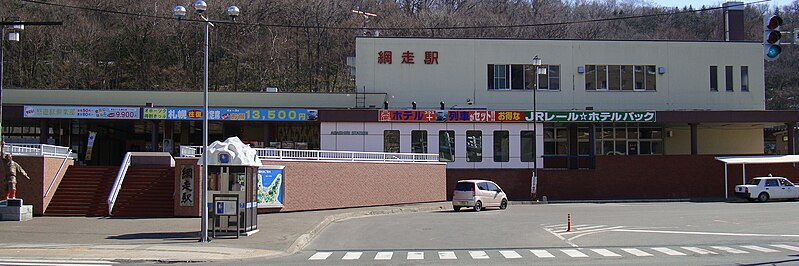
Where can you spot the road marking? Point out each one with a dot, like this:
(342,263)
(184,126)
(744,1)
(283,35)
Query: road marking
(478,255)
(352,256)
(54,262)
(730,250)
(415,255)
(761,249)
(605,252)
(592,231)
(542,253)
(510,254)
(636,252)
(384,255)
(786,247)
(700,251)
(697,233)
(669,251)
(320,256)
(574,253)
(447,255)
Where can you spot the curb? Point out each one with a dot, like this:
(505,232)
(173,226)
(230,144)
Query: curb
(306,238)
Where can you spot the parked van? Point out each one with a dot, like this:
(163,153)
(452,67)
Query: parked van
(478,194)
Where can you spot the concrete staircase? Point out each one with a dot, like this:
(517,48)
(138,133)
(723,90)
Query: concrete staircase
(148,191)
(83,191)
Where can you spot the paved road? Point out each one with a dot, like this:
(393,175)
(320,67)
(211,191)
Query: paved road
(629,233)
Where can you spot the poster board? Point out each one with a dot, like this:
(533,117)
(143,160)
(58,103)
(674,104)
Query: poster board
(271,180)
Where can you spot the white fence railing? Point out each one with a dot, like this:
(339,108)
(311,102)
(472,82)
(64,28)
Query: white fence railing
(319,155)
(123,169)
(37,150)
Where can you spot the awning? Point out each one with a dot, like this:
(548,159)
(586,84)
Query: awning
(759,159)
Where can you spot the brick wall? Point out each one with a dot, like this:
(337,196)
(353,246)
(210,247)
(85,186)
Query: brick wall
(42,171)
(628,177)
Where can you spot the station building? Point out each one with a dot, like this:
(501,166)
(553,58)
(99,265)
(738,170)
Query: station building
(598,119)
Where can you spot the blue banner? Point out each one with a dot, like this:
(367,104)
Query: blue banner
(270,188)
(238,114)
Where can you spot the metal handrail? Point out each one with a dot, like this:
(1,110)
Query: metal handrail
(37,150)
(123,169)
(52,183)
(319,155)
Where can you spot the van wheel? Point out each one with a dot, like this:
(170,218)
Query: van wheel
(503,205)
(763,197)
(456,208)
(478,206)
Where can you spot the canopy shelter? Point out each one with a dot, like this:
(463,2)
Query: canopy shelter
(759,159)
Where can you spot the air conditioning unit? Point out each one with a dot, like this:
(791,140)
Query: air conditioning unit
(271,89)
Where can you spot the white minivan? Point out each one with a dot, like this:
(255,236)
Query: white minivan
(478,194)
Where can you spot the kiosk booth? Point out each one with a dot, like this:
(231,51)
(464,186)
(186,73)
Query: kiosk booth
(232,188)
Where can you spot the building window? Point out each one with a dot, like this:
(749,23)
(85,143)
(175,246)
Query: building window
(419,141)
(556,141)
(714,78)
(501,146)
(391,141)
(583,141)
(744,78)
(620,77)
(522,77)
(728,77)
(446,146)
(528,145)
(624,139)
(474,146)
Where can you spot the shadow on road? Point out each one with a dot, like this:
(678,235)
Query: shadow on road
(192,236)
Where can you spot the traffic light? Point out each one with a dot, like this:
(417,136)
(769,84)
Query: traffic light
(771,38)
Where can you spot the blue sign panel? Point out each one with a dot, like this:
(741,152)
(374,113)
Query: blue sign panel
(239,114)
(270,188)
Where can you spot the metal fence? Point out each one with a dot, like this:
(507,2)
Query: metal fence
(319,155)
(37,150)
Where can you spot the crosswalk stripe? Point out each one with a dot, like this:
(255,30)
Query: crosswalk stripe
(605,252)
(510,254)
(352,256)
(730,250)
(478,255)
(761,249)
(786,247)
(637,252)
(574,253)
(320,256)
(669,251)
(542,253)
(415,255)
(384,255)
(700,251)
(447,255)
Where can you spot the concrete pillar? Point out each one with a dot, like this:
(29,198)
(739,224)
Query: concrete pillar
(791,137)
(694,150)
(44,129)
(154,135)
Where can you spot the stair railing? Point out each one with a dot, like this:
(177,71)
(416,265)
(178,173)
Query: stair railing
(52,183)
(123,169)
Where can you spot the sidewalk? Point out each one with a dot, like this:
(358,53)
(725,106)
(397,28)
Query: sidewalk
(172,239)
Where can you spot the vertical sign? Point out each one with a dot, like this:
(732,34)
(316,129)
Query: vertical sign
(270,187)
(187,186)
(90,144)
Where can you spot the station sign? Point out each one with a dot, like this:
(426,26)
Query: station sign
(81,112)
(514,116)
(237,114)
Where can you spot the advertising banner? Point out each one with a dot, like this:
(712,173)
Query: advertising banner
(85,112)
(270,187)
(513,116)
(238,114)
(90,145)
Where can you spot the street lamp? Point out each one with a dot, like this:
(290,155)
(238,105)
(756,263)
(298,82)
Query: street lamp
(199,8)
(13,35)
(538,71)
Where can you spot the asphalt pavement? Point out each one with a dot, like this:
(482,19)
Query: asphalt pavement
(150,240)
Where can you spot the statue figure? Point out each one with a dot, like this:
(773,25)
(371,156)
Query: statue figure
(12,170)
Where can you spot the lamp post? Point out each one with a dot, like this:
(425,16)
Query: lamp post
(180,12)
(538,71)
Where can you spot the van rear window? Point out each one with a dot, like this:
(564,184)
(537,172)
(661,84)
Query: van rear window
(464,186)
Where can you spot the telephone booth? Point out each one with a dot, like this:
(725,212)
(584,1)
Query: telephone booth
(232,188)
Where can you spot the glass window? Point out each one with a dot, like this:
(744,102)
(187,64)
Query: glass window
(446,145)
(639,77)
(492,187)
(590,77)
(614,77)
(490,77)
(419,141)
(771,183)
(554,77)
(583,144)
(556,141)
(728,78)
(650,78)
(528,144)
(391,141)
(744,78)
(474,146)
(602,77)
(529,77)
(501,77)
(627,78)
(483,186)
(464,186)
(543,82)
(501,146)
(714,78)
(517,77)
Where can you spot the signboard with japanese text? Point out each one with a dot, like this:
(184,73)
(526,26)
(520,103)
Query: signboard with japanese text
(239,114)
(187,186)
(513,116)
(408,57)
(78,112)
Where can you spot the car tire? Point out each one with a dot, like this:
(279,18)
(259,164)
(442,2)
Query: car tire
(478,206)
(456,208)
(503,205)
(763,197)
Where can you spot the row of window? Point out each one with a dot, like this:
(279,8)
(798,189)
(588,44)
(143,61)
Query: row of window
(610,140)
(523,77)
(728,78)
(620,77)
